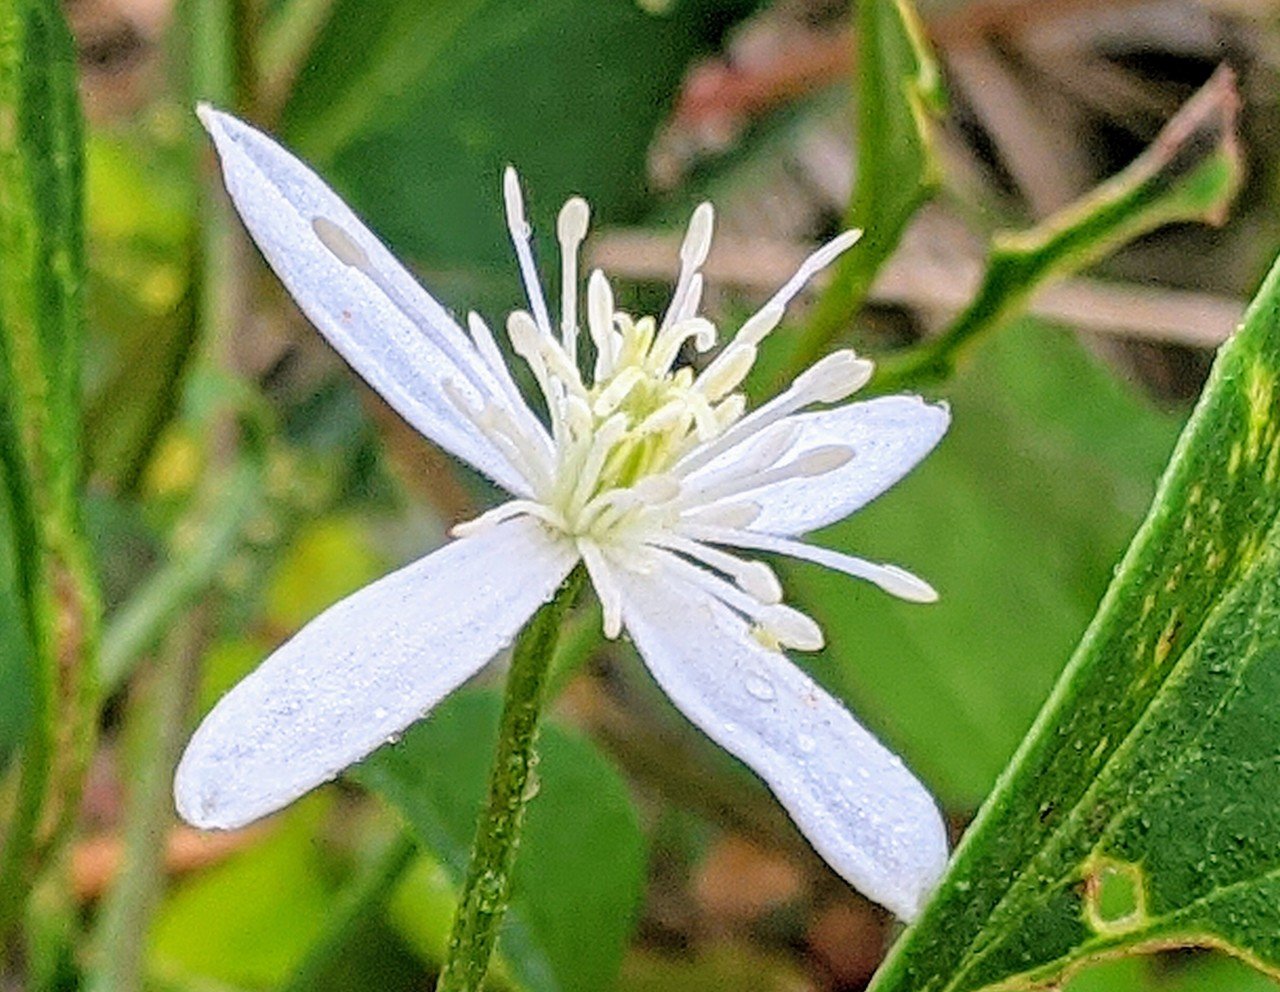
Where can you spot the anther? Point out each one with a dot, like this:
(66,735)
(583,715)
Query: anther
(571,229)
(831,379)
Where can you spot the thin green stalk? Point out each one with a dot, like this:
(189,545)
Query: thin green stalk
(487,888)
(126,916)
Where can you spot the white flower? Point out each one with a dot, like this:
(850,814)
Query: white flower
(643,471)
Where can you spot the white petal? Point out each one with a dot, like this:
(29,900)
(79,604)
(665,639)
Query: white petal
(364,670)
(400,340)
(889,435)
(860,808)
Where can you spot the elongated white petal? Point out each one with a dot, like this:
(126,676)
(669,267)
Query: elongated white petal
(364,670)
(889,436)
(400,340)
(860,808)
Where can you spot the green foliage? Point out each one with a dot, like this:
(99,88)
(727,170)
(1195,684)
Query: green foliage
(1153,764)
(1191,172)
(48,644)
(248,922)
(899,94)
(581,862)
(433,100)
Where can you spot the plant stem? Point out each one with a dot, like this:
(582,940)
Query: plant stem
(487,888)
(126,916)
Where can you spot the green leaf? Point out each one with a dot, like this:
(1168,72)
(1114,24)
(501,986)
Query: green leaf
(1191,172)
(250,920)
(899,95)
(580,869)
(1020,513)
(413,109)
(1143,809)
(41,330)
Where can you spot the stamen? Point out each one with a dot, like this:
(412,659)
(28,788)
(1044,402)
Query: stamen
(528,341)
(613,394)
(754,577)
(600,323)
(828,380)
(814,264)
(726,372)
(488,349)
(789,626)
(520,235)
(672,337)
(693,253)
(608,434)
(571,230)
(892,579)
(726,516)
(495,423)
(605,586)
(508,511)
(341,244)
(770,315)
(817,461)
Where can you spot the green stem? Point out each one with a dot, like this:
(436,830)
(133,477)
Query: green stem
(487,888)
(119,938)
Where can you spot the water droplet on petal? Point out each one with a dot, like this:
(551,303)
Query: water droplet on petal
(380,713)
(806,743)
(761,688)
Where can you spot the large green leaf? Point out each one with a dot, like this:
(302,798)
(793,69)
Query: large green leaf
(580,870)
(48,648)
(1143,809)
(414,108)
(1017,519)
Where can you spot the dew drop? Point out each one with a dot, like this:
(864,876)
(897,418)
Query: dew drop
(806,743)
(380,713)
(761,688)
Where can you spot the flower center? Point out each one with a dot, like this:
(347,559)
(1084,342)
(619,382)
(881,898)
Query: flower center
(626,428)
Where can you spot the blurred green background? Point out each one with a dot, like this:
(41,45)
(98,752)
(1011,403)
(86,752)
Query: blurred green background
(240,478)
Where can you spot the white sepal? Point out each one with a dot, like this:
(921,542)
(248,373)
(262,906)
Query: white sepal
(400,340)
(365,669)
(854,800)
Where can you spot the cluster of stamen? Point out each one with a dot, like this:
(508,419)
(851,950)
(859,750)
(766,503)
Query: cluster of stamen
(643,464)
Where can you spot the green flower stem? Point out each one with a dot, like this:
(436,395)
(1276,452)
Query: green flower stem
(487,888)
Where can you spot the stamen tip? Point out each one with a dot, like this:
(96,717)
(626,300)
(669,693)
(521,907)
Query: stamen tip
(697,240)
(575,216)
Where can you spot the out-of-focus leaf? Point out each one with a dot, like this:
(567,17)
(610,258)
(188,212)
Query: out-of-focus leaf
(41,330)
(899,93)
(249,921)
(1017,519)
(412,109)
(141,208)
(1191,172)
(332,558)
(1143,808)
(728,966)
(580,870)
(15,651)
(1197,973)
